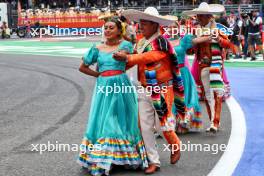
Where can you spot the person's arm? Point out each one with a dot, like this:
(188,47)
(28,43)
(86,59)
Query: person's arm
(257,22)
(175,42)
(252,22)
(240,25)
(144,58)
(129,66)
(127,38)
(225,43)
(147,57)
(240,34)
(88,71)
(89,58)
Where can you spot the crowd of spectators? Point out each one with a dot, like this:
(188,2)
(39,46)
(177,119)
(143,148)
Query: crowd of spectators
(247,32)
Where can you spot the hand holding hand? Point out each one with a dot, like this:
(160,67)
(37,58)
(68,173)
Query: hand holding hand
(209,38)
(120,56)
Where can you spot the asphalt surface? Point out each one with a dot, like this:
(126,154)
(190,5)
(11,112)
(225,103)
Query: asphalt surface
(46,99)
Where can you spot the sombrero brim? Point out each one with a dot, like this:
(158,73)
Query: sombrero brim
(171,17)
(136,15)
(214,9)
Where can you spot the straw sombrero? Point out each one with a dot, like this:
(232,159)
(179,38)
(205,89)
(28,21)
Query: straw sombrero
(171,17)
(205,8)
(150,14)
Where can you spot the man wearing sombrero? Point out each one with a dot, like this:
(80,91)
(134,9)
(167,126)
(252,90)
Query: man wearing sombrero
(209,56)
(157,68)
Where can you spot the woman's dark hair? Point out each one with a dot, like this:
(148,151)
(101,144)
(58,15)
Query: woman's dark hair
(117,21)
(123,19)
(182,22)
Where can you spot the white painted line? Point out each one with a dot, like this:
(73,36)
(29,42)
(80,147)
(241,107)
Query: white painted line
(42,54)
(235,147)
(27,40)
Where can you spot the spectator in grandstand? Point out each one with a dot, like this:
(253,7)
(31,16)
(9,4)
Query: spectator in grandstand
(254,34)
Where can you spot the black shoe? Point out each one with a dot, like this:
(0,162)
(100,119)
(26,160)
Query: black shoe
(253,58)
(238,56)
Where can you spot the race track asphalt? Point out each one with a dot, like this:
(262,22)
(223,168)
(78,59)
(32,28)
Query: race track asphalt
(46,98)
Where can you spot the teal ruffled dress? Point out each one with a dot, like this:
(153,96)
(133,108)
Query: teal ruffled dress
(112,136)
(193,121)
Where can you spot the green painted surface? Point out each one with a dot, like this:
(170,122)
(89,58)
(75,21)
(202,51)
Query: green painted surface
(75,49)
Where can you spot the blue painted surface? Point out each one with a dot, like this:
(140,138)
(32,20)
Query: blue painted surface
(248,89)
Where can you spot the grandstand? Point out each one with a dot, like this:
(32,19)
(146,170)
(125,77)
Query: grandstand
(82,9)
(163,4)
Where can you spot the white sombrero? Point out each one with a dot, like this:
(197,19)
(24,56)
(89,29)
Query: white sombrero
(150,14)
(205,8)
(171,17)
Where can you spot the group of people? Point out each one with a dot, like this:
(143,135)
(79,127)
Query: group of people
(120,128)
(48,16)
(247,32)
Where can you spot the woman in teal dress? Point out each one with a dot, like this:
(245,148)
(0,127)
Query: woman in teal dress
(192,121)
(112,136)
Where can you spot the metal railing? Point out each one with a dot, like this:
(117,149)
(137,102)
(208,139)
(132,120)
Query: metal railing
(175,9)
